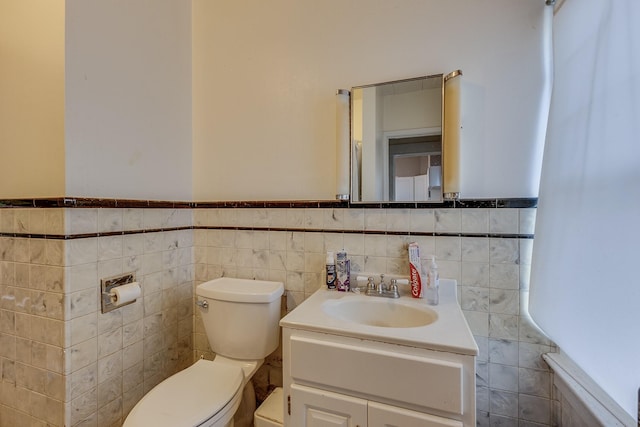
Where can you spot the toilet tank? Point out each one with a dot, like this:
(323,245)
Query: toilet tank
(242,315)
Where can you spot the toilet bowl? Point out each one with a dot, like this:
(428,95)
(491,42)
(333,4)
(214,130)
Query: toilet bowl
(241,320)
(205,394)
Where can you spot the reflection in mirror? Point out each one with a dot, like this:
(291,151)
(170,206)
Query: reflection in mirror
(397,141)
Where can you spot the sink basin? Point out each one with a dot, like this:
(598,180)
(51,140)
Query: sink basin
(403,321)
(380,312)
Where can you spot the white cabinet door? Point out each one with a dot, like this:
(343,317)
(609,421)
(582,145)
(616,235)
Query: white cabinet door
(312,407)
(381,415)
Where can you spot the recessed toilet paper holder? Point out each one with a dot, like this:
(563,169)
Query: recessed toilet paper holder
(108,284)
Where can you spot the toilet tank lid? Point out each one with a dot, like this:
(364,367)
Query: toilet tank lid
(240,290)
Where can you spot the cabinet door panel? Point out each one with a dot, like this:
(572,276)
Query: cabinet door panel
(381,415)
(318,408)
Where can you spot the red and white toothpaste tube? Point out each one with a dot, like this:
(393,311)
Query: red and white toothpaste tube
(415,278)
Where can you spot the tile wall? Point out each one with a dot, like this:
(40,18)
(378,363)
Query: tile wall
(62,361)
(32,323)
(488,251)
(65,363)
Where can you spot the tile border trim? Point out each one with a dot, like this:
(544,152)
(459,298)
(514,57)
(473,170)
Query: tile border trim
(284,229)
(81,202)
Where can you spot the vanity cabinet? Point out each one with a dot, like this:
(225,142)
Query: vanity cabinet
(332,380)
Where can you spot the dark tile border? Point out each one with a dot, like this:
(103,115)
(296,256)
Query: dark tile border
(67,202)
(80,202)
(91,235)
(285,229)
(376,232)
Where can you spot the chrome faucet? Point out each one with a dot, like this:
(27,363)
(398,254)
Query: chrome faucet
(381,289)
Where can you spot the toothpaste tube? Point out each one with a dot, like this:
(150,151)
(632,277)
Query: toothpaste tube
(415,278)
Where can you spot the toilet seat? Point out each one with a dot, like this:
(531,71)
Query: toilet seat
(198,395)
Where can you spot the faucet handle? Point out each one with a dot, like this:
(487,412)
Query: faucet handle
(371,286)
(393,289)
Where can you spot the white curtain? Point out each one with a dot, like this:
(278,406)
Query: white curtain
(585,283)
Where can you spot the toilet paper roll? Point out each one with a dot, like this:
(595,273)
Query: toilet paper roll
(125,293)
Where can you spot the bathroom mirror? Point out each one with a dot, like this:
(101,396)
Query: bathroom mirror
(396,141)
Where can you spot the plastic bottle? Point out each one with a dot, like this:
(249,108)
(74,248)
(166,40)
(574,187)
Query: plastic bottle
(331,271)
(433,283)
(343,271)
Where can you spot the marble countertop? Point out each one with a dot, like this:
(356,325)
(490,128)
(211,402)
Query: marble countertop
(449,332)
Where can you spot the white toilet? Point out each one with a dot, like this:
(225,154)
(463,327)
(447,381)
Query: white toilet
(241,320)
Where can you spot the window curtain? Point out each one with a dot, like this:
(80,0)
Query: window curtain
(585,280)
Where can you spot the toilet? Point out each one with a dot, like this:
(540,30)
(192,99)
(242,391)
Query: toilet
(240,318)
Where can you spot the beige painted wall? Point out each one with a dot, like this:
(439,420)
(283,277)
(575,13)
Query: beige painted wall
(95,99)
(128,99)
(251,114)
(265,74)
(31,98)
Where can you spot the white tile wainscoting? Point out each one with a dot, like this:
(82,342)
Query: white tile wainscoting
(100,365)
(65,363)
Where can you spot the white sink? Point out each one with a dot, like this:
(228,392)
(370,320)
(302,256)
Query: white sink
(404,321)
(380,312)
